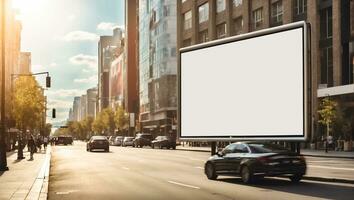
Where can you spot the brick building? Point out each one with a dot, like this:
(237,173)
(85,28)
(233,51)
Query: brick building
(332,37)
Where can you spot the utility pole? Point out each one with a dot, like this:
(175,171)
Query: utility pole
(3,160)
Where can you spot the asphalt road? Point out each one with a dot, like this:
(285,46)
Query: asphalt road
(134,173)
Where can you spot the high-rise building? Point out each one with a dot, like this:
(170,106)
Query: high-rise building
(116,97)
(158,66)
(130,71)
(71,115)
(107,48)
(332,38)
(76,109)
(25,63)
(91,102)
(82,107)
(13,30)
(102,98)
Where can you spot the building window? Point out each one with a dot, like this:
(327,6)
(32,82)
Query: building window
(326,23)
(327,66)
(238,25)
(187,42)
(277,13)
(300,7)
(220,5)
(187,20)
(237,2)
(203,36)
(221,30)
(257,18)
(203,13)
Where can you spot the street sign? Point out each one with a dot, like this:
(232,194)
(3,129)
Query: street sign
(253,86)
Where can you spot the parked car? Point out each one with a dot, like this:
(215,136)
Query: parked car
(118,141)
(164,141)
(255,159)
(111,140)
(97,142)
(128,141)
(142,139)
(64,140)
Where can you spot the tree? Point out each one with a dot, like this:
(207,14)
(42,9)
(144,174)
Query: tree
(327,113)
(47,129)
(121,118)
(28,106)
(86,125)
(97,125)
(108,120)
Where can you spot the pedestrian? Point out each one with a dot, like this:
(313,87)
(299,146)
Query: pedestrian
(31,146)
(45,142)
(330,142)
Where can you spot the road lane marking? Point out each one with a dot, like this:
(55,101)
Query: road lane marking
(126,168)
(184,185)
(324,167)
(199,167)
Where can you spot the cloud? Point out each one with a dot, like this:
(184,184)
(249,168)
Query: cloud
(87,60)
(59,104)
(80,36)
(37,67)
(91,79)
(53,64)
(108,26)
(71,17)
(63,93)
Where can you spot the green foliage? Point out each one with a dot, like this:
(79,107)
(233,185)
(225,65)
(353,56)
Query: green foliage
(47,129)
(28,103)
(121,118)
(327,112)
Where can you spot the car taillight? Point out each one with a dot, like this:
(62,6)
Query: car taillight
(263,160)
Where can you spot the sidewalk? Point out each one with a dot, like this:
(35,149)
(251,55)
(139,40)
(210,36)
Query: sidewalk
(25,179)
(305,152)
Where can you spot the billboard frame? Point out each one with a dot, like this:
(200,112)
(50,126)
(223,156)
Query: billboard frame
(307,87)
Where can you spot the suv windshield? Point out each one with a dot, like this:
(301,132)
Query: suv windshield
(265,148)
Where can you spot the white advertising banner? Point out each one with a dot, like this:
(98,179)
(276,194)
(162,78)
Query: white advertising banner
(251,86)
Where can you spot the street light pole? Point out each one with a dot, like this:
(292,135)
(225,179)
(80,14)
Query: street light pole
(3,160)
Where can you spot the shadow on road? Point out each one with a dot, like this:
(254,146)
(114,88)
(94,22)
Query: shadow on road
(314,189)
(99,152)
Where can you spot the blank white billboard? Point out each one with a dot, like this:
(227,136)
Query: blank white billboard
(252,86)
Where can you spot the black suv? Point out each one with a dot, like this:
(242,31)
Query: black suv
(65,140)
(164,141)
(142,139)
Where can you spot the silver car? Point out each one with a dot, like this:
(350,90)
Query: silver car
(118,141)
(128,141)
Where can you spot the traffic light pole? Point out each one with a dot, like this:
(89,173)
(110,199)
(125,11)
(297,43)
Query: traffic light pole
(3,159)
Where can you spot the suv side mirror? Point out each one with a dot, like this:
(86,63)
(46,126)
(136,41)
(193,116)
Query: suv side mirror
(220,153)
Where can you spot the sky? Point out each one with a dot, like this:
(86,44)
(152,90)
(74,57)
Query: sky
(62,36)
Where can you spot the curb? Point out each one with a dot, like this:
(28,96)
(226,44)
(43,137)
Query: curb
(39,189)
(327,179)
(308,155)
(321,156)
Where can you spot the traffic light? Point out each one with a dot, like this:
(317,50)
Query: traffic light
(54,113)
(48,81)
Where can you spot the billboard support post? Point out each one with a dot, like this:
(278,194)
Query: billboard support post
(213,148)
